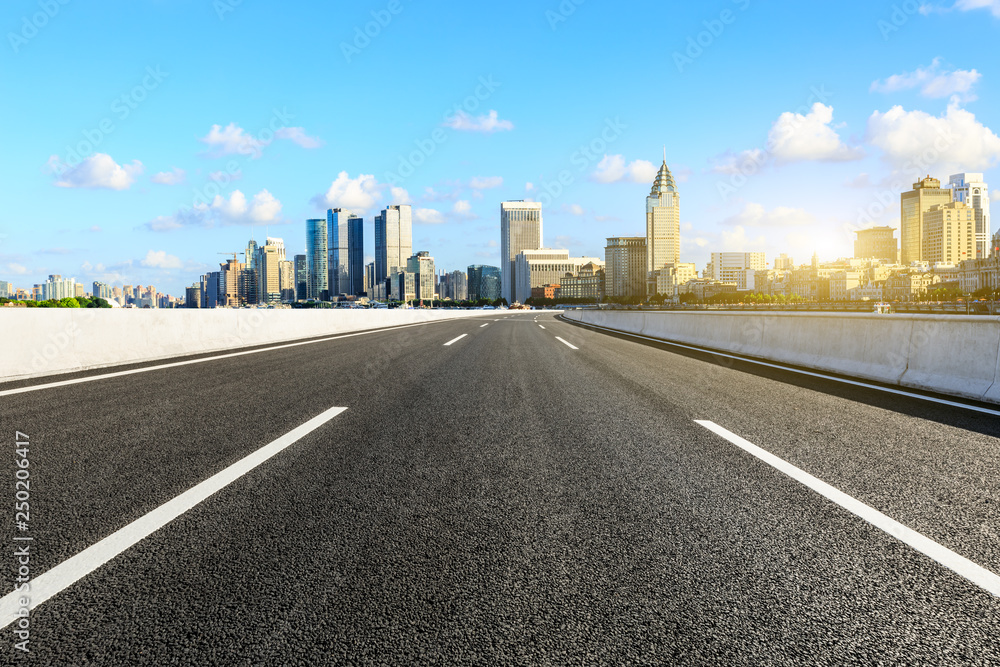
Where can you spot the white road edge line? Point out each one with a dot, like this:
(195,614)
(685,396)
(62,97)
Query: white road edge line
(228,355)
(568,344)
(855,383)
(456,339)
(71,570)
(960,565)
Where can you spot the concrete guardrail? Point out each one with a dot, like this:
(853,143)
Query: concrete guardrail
(49,341)
(949,354)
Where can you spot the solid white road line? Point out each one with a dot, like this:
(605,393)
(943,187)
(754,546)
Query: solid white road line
(570,345)
(960,565)
(485,325)
(456,340)
(73,569)
(228,355)
(855,383)
(541,326)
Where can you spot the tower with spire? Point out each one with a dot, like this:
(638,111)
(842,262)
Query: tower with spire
(663,222)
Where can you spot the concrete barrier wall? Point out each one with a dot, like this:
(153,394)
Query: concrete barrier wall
(47,341)
(956,355)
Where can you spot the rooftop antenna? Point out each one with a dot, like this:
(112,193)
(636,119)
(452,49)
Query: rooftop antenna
(664,153)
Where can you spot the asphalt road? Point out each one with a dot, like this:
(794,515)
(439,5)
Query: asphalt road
(505,499)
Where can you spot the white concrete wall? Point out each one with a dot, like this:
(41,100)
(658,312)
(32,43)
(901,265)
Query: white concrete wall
(47,341)
(956,355)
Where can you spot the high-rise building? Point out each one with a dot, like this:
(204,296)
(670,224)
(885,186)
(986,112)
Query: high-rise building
(625,267)
(269,258)
(192,296)
(393,240)
(783,263)
(453,286)
(663,222)
(102,291)
(6,290)
(301,278)
(546,266)
(914,205)
(732,267)
(369,283)
(971,190)
(286,280)
(520,229)
(345,235)
(421,265)
(317,259)
(949,233)
(876,243)
(484,282)
(57,288)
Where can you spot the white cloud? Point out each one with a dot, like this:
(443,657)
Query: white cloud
(226,177)
(16,269)
(795,137)
(576,209)
(232,140)
(915,141)
(486,182)
(173,177)
(463,209)
(360,194)
(968,5)
(755,215)
(736,240)
(298,135)
(400,196)
(862,180)
(612,168)
(489,123)
(529,186)
(932,81)
(427,216)
(159,259)
(98,171)
(236,210)
(743,162)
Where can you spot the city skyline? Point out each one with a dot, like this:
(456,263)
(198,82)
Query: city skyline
(814,154)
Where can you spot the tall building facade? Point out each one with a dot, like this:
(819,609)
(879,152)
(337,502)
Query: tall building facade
(875,243)
(393,240)
(484,282)
(345,235)
(301,278)
(520,230)
(949,234)
(546,266)
(269,258)
(914,205)
(732,267)
(421,265)
(971,190)
(317,258)
(625,267)
(663,222)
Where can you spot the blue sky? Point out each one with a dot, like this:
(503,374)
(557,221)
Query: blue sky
(787,125)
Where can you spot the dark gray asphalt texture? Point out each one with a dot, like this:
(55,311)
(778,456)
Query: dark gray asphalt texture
(504,500)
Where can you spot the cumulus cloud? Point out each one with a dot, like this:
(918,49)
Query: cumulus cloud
(172,177)
(489,123)
(16,269)
(486,182)
(613,168)
(932,81)
(232,140)
(359,194)
(236,210)
(97,171)
(968,5)
(463,209)
(742,162)
(159,259)
(400,196)
(795,137)
(427,216)
(529,186)
(755,215)
(298,135)
(916,141)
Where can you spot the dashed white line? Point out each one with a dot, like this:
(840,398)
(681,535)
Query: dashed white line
(541,326)
(451,342)
(568,344)
(68,572)
(484,325)
(960,565)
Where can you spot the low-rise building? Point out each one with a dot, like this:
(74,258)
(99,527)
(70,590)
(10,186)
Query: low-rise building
(909,286)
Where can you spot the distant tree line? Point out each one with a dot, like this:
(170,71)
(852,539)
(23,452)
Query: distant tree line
(68,302)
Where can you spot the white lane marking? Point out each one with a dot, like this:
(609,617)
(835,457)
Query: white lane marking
(855,383)
(228,355)
(485,325)
(71,570)
(456,340)
(541,326)
(960,565)
(570,345)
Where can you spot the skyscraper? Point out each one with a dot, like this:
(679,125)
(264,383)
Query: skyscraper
(972,191)
(663,222)
(520,229)
(301,278)
(422,266)
(269,258)
(914,206)
(317,260)
(393,240)
(345,235)
(874,242)
(625,267)
(483,282)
